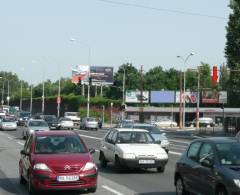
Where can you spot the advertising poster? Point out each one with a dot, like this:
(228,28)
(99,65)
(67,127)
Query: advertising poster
(101,75)
(80,74)
(135,97)
(214,97)
(162,97)
(190,97)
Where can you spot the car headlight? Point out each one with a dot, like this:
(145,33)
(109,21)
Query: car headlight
(162,156)
(237,182)
(41,166)
(129,156)
(31,131)
(89,166)
(164,142)
(20,119)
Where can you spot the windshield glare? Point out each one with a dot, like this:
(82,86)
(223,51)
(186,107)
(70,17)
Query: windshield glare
(228,153)
(59,145)
(134,137)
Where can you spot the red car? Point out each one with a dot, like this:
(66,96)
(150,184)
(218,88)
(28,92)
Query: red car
(57,160)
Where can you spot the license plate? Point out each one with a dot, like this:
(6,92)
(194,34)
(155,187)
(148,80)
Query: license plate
(146,161)
(68,178)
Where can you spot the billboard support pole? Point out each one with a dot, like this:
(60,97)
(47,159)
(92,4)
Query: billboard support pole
(141,117)
(198,99)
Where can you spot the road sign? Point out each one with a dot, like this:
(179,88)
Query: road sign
(214,76)
(59,99)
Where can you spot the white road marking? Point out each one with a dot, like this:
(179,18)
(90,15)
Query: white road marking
(111,190)
(177,148)
(21,143)
(175,153)
(180,146)
(11,138)
(179,141)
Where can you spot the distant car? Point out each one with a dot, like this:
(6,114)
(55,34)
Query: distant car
(89,123)
(34,125)
(166,123)
(23,117)
(132,148)
(65,123)
(8,123)
(57,160)
(209,166)
(158,135)
(203,122)
(73,116)
(125,123)
(51,121)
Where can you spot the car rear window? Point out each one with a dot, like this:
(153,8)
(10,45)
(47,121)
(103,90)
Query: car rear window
(134,137)
(38,124)
(193,151)
(59,145)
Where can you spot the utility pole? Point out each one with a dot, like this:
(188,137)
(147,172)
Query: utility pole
(43,98)
(198,98)
(31,99)
(141,117)
(3,92)
(59,98)
(20,107)
(180,105)
(8,97)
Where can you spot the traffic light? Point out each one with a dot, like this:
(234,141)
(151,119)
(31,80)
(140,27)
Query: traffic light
(214,76)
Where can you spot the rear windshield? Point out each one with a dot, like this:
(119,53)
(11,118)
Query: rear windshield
(50,118)
(59,145)
(8,120)
(38,124)
(135,137)
(149,128)
(24,114)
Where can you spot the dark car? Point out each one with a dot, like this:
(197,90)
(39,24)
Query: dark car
(51,121)
(210,166)
(23,117)
(57,160)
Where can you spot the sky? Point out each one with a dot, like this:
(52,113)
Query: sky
(35,36)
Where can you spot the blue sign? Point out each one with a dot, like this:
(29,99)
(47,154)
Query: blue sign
(162,97)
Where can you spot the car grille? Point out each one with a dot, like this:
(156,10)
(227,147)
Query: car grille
(62,169)
(146,156)
(69,183)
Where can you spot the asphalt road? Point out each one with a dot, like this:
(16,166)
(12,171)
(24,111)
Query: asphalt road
(141,182)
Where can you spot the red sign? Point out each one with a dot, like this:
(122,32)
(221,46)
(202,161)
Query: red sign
(214,76)
(58,99)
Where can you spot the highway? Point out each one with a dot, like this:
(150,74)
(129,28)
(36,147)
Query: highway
(140,182)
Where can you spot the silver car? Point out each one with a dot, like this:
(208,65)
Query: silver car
(8,123)
(34,125)
(89,123)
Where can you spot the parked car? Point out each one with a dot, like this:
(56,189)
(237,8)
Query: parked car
(73,116)
(89,123)
(51,121)
(57,160)
(23,117)
(158,135)
(34,125)
(166,123)
(8,123)
(203,122)
(65,123)
(209,166)
(133,148)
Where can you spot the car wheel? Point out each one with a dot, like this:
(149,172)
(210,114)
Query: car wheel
(103,161)
(92,190)
(221,191)
(180,189)
(117,164)
(31,189)
(160,169)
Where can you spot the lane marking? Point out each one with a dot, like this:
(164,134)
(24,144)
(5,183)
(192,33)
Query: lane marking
(175,153)
(21,143)
(11,138)
(180,146)
(177,148)
(111,190)
(179,141)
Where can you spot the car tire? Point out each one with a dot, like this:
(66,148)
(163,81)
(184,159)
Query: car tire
(160,169)
(117,164)
(180,189)
(103,161)
(31,189)
(221,191)
(92,190)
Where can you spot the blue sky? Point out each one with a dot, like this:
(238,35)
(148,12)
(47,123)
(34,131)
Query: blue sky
(35,35)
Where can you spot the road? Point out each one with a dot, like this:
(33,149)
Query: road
(141,182)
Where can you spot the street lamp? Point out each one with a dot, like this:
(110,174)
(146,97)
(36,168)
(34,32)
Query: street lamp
(31,98)
(21,91)
(184,84)
(123,88)
(111,112)
(8,97)
(43,98)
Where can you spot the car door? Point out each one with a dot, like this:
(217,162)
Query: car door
(205,172)
(26,158)
(112,145)
(106,145)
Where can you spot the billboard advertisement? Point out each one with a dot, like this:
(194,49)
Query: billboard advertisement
(214,97)
(135,97)
(162,97)
(80,74)
(101,75)
(190,97)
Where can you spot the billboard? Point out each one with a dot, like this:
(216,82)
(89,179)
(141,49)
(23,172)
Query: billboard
(162,96)
(214,97)
(101,75)
(135,97)
(190,97)
(80,74)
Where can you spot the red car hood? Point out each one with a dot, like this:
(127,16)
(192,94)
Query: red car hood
(56,161)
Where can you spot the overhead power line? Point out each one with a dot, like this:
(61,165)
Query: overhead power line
(162,9)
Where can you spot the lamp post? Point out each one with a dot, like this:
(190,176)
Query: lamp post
(111,113)
(43,98)
(59,97)
(20,107)
(123,88)
(2,93)
(31,88)
(184,84)
(8,97)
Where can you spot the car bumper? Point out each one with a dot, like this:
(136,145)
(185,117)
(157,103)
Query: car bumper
(49,182)
(9,128)
(134,163)
(92,126)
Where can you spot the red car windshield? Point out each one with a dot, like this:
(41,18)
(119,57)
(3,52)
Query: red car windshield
(59,145)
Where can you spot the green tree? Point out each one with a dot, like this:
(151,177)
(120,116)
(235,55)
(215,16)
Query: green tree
(155,79)
(232,52)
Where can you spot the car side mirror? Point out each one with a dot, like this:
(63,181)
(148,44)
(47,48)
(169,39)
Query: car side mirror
(207,163)
(91,150)
(23,152)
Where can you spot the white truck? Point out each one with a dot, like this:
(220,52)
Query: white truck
(73,116)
